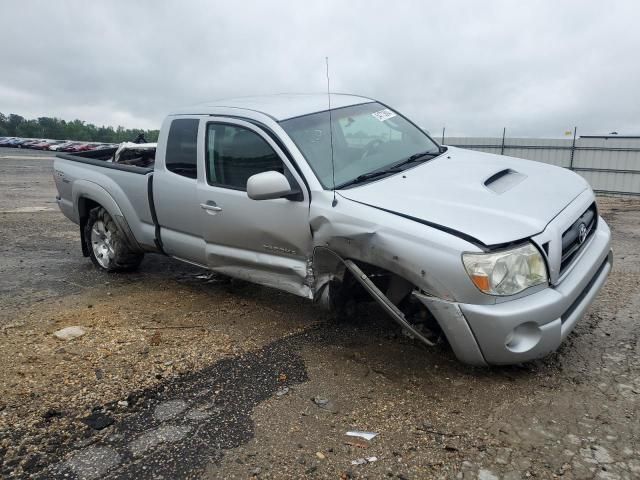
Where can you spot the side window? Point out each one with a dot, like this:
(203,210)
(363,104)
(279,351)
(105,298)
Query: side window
(236,153)
(181,156)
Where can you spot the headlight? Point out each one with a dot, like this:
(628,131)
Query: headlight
(508,272)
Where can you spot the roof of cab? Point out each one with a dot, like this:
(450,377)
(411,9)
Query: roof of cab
(279,107)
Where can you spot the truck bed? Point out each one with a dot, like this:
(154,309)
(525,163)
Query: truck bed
(106,157)
(86,179)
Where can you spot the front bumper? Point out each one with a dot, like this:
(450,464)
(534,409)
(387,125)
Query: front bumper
(529,327)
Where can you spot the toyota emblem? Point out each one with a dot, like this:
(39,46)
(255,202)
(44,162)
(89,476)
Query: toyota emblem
(582,233)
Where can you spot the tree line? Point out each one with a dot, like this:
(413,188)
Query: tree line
(13,125)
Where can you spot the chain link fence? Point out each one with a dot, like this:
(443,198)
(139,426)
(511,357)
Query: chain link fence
(611,164)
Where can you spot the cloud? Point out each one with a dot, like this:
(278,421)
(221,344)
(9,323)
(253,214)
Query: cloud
(538,68)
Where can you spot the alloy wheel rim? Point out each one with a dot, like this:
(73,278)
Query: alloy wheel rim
(101,244)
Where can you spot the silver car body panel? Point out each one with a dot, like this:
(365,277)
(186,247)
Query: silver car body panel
(415,224)
(271,248)
(277,107)
(450,190)
(426,257)
(540,320)
(455,327)
(176,203)
(552,236)
(121,193)
(544,319)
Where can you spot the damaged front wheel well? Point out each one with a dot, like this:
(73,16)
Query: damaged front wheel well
(341,283)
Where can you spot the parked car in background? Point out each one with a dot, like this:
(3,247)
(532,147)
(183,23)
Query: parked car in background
(59,146)
(68,147)
(100,146)
(13,142)
(51,143)
(38,145)
(29,143)
(55,144)
(79,147)
(16,142)
(73,147)
(44,145)
(26,142)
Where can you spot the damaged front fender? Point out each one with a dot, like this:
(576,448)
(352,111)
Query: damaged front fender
(382,300)
(427,258)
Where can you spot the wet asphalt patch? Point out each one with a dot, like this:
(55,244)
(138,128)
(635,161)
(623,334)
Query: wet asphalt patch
(181,426)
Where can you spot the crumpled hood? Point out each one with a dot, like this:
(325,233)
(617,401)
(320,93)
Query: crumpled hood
(492,198)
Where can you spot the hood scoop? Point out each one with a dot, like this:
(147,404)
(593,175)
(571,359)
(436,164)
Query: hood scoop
(504,180)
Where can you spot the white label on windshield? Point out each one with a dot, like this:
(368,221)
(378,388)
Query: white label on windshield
(383,115)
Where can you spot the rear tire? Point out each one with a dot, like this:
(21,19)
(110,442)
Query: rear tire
(106,244)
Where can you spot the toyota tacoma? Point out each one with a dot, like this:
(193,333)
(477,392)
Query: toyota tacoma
(501,256)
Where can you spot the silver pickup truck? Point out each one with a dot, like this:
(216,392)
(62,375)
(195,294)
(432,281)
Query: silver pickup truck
(500,256)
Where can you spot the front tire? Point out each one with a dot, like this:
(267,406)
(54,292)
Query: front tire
(106,244)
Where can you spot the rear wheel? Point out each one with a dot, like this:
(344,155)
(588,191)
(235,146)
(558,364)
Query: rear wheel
(107,247)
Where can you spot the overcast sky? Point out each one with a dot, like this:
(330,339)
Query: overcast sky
(538,68)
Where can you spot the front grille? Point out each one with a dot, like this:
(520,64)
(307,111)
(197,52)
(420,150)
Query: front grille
(576,236)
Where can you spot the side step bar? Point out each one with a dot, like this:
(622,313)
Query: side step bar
(383,301)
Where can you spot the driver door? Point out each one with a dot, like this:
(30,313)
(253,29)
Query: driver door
(262,241)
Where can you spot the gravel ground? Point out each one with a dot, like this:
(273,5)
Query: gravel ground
(182,374)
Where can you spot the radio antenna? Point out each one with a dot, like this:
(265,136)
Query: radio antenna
(333,167)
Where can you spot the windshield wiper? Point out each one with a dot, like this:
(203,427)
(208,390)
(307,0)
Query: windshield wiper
(368,176)
(394,168)
(417,156)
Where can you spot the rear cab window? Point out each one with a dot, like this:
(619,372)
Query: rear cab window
(181,153)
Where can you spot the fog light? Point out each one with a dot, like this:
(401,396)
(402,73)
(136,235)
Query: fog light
(523,338)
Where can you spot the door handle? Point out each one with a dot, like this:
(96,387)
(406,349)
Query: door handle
(210,207)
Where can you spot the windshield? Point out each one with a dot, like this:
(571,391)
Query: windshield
(366,138)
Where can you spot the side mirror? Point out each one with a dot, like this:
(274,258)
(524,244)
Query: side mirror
(268,185)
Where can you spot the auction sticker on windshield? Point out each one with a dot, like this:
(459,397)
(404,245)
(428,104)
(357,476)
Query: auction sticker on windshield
(383,115)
